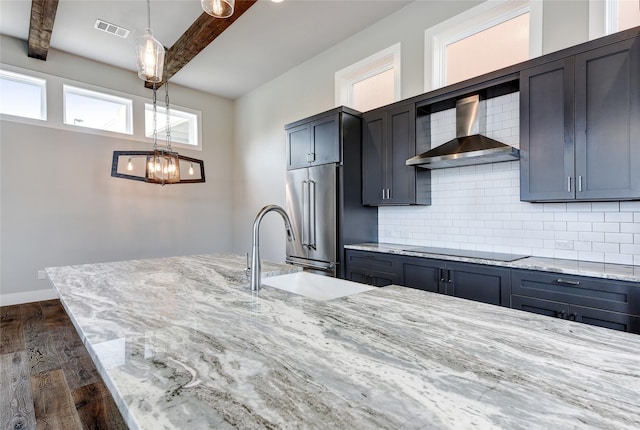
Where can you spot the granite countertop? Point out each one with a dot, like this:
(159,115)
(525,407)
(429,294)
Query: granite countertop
(620,272)
(183,344)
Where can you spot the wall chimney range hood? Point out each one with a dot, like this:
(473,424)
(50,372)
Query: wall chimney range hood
(470,147)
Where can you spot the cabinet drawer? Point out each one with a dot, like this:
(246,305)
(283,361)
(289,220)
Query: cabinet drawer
(617,296)
(371,261)
(598,317)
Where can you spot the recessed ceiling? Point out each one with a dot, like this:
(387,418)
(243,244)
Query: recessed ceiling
(269,39)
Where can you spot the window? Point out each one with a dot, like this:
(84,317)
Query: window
(22,95)
(488,37)
(488,50)
(628,14)
(370,83)
(610,16)
(184,125)
(92,109)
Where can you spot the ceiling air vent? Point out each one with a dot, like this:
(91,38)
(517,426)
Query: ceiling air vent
(111,28)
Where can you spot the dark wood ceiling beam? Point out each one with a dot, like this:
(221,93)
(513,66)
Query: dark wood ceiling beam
(43,14)
(202,32)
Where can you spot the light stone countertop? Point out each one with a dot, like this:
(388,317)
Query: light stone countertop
(620,272)
(182,344)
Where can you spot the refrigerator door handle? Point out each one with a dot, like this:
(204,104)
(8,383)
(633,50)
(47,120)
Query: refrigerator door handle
(305,213)
(312,215)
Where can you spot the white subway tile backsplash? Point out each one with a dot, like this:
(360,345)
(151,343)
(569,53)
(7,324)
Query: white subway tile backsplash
(479,208)
(618,217)
(618,237)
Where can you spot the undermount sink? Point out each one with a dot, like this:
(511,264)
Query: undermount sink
(315,286)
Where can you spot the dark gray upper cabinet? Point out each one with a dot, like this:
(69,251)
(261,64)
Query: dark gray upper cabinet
(546,132)
(579,127)
(313,142)
(388,140)
(608,122)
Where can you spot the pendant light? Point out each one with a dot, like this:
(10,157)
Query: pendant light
(149,54)
(218,8)
(161,165)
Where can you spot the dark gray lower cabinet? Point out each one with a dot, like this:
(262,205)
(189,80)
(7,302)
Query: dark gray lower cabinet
(465,280)
(602,302)
(477,282)
(372,268)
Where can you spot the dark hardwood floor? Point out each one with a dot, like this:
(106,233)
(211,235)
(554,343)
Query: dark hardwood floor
(47,378)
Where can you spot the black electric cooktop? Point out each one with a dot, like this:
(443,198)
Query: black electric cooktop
(498,256)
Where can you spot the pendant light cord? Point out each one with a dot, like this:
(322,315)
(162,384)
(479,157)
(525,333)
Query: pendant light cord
(155,118)
(149,14)
(167,112)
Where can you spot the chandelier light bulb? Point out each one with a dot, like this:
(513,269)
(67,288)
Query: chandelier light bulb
(218,8)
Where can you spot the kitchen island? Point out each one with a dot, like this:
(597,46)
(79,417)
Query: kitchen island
(183,344)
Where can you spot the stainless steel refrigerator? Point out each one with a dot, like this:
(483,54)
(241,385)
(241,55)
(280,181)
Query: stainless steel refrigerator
(324,201)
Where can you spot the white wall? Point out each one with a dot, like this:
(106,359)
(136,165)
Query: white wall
(60,206)
(308,89)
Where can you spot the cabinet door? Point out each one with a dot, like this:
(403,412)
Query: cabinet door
(373,155)
(423,274)
(325,142)
(610,295)
(401,145)
(357,275)
(608,122)
(485,284)
(600,318)
(546,132)
(298,146)
(540,306)
(373,268)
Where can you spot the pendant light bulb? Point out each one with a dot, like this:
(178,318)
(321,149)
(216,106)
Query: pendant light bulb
(218,8)
(149,57)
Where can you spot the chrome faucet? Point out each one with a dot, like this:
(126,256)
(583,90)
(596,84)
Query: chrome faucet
(255,249)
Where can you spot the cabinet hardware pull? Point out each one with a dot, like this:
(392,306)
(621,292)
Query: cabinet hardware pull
(560,314)
(569,184)
(567,282)
(384,194)
(441,274)
(572,317)
(389,193)
(449,280)
(580,183)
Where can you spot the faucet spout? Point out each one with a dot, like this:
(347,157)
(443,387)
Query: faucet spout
(255,246)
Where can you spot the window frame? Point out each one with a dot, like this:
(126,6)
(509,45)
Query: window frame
(382,61)
(470,22)
(196,128)
(55,109)
(99,95)
(29,79)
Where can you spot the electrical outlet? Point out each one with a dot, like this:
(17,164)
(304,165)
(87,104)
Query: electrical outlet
(42,275)
(564,244)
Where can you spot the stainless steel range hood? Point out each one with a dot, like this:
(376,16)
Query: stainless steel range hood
(470,145)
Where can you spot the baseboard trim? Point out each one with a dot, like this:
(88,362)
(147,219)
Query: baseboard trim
(27,297)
